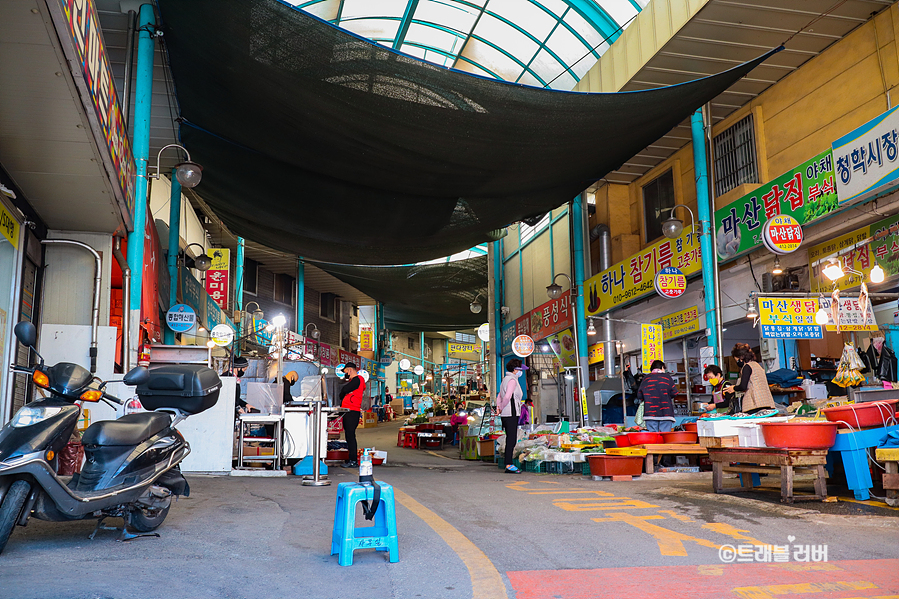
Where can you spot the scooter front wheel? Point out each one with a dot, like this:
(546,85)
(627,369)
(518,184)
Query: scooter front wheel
(11,508)
(142,520)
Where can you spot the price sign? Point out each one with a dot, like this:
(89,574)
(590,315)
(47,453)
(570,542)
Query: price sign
(181,318)
(670,282)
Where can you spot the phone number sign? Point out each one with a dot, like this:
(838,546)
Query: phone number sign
(181,318)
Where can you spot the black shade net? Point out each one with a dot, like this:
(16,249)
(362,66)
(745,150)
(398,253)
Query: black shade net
(424,297)
(320,143)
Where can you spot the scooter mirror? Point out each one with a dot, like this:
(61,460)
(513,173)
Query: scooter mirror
(26,334)
(137,376)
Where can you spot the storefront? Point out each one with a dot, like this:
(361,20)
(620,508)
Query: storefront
(11,245)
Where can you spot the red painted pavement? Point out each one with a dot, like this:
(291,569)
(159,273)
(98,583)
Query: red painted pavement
(827,580)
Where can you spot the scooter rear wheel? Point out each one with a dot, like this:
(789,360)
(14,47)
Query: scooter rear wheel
(141,521)
(11,508)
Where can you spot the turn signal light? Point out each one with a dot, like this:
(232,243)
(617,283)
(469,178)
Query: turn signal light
(50,455)
(40,379)
(92,395)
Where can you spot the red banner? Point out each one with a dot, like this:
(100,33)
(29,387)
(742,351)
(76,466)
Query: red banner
(546,319)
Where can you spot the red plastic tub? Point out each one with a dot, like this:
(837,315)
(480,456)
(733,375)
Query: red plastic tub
(691,427)
(861,415)
(643,438)
(680,437)
(622,441)
(615,465)
(338,454)
(799,435)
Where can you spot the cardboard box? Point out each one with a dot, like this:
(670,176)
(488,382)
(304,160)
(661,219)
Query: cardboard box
(251,451)
(486,448)
(369,420)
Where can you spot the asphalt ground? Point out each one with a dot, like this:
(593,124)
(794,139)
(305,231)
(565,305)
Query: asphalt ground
(466,529)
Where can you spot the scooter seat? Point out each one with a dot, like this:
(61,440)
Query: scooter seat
(127,430)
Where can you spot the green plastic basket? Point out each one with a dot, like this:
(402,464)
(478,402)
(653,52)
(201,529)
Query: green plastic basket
(585,468)
(535,466)
(559,467)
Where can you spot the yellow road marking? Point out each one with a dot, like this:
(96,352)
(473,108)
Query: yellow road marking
(808,567)
(769,592)
(612,503)
(710,570)
(677,516)
(486,581)
(868,502)
(727,529)
(440,456)
(671,543)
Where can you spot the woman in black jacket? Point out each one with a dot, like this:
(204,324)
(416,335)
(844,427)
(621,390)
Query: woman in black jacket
(657,391)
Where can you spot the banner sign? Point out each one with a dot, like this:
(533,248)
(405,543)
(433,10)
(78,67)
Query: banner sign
(463,350)
(850,315)
(596,353)
(564,348)
(366,339)
(9,227)
(508,335)
(634,277)
(83,28)
(680,323)
(807,193)
(866,158)
(218,275)
(651,343)
(789,318)
(181,318)
(523,346)
(543,321)
(884,251)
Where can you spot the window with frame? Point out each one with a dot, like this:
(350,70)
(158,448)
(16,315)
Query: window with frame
(527,232)
(410,343)
(284,286)
(465,338)
(328,306)
(250,276)
(735,160)
(658,199)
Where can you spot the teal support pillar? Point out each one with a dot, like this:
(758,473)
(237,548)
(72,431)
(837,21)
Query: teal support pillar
(301,295)
(703,204)
(174,250)
(578,212)
(382,346)
(238,292)
(143,91)
(498,313)
(238,274)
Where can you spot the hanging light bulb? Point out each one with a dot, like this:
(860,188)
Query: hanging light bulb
(777,269)
(591,330)
(821,316)
(834,270)
(877,274)
(751,311)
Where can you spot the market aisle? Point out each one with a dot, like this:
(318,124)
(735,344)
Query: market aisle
(468,530)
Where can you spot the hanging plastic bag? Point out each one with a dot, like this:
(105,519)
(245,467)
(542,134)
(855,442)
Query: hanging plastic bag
(638,418)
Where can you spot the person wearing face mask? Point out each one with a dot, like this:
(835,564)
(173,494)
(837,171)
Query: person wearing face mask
(508,406)
(351,399)
(721,394)
(753,382)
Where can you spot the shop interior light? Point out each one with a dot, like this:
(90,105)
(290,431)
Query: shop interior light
(777,269)
(751,311)
(877,274)
(210,344)
(324,371)
(279,321)
(569,376)
(834,270)
(591,330)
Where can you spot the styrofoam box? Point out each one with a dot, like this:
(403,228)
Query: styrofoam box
(751,435)
(711,427)
(380,454)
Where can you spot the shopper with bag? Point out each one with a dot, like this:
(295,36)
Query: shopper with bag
(508,406)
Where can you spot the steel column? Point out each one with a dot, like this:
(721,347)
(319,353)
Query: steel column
(301,294)
(703,204)
(578,210)
(142,113)
(174,250)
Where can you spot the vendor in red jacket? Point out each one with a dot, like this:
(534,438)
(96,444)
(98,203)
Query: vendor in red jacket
(351,399)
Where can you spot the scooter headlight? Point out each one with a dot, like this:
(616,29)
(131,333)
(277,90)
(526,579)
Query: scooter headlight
(32,415)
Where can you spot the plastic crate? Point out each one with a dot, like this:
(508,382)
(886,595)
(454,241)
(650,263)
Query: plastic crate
(585,468)
(535,466)
(559,467)
(501,463)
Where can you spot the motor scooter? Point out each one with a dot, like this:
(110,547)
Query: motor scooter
(131,467)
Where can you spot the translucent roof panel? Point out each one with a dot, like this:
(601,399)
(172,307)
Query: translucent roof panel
(542,43)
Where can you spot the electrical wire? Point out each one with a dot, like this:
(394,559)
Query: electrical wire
(753,272)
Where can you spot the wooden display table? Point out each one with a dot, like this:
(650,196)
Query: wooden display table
(654,449)
(768,460)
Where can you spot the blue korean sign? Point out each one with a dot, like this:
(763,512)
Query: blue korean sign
(789,318)
(867,159)
(508,335)
(181,318)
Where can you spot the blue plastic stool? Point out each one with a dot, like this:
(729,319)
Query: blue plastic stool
(346,537)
